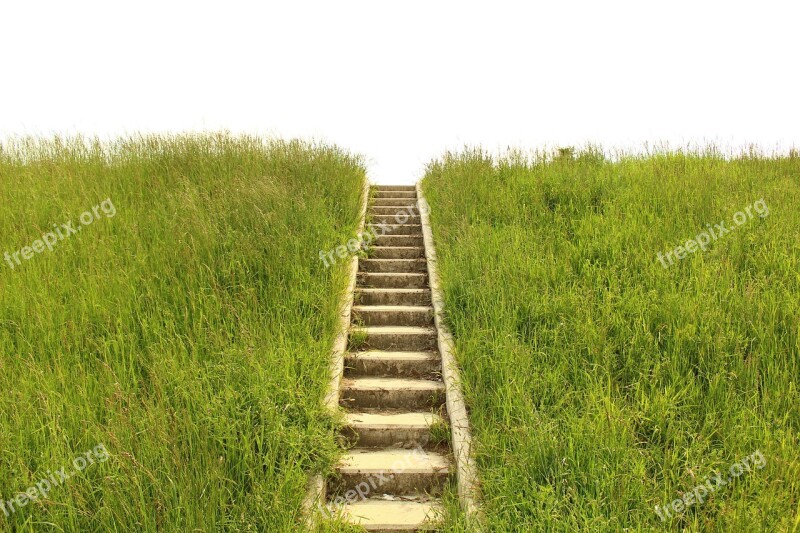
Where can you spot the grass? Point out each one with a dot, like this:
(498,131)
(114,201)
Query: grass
(440,435)
(189,333)
(600,383)
(357,339)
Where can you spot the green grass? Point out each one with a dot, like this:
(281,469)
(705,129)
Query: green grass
(357,339)
(601,384)
(189,333)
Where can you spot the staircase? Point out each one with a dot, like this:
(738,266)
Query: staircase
(392,388)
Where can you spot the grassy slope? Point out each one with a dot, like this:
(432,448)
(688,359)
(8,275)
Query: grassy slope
(600,383)
(190,333)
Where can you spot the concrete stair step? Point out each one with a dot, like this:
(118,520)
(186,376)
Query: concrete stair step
(395,229)
(393,364)
(391,393)
(395,187)
(399,240)
(393,210)
(388,202)
(399,266)
(390,296)
(397,252)
(394,471)
(396,219)
(392,516)
(393,280)
(403,338)
(373,430)
(392,315)
(380,193)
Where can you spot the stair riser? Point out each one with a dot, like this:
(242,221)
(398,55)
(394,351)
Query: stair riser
(377,437)
(392,265)
(396,219)
(395,229)
(412,342)
(405,281)
(391,483)
(412,400)
(394,211)
(399,240)
(393,298)
(395,368)
(368,317)
(383,252)
(389,202)
(394,194)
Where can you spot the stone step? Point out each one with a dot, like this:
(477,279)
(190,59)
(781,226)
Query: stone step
(405,338)
(393,364)
(395,187)
(393,280)
(389,202)
(396,219)
(381,430)
(380,193)
(391,393)
(393,210)
(397,266)
(391,516)
(392,315)
(387,296)
(396,252)
(399,240)
(391,471)
(395,229)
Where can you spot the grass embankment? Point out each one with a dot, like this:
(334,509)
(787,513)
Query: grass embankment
(189,331)
(602,383)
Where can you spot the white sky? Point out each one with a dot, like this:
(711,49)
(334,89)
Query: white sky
(403,82)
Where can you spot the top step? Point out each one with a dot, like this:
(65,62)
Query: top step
(395,187)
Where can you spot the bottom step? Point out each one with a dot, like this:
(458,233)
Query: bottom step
(386,516)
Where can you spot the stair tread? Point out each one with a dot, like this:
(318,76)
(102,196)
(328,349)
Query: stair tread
(395,274)
(410,419)
(360,460)
(383,383)
(393,289)
(410,259)
(396,354)
(387,224)
(399,248)
(397,329)
(392,308)
(376,513)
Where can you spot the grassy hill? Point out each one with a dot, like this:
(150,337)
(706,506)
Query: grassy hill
(169,350)
(605,376)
